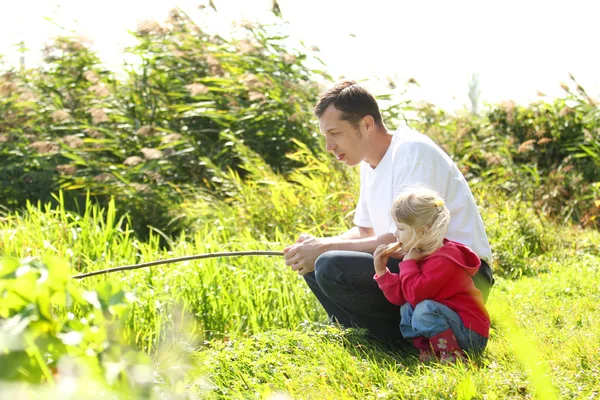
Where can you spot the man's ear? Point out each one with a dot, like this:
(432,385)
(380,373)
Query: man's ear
(368,124)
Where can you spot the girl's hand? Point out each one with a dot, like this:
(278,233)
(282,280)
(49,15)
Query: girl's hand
(380,259)
(414,254)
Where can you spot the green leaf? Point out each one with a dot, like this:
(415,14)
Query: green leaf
(8,266)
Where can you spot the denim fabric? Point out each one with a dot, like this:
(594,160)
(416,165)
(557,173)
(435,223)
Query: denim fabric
(344,285)
(430,318)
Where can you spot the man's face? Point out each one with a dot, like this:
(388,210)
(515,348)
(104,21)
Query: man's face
(341,138)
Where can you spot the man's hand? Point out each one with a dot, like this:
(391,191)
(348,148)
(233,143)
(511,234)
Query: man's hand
(302,255)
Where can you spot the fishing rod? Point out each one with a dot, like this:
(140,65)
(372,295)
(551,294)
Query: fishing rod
(179,259)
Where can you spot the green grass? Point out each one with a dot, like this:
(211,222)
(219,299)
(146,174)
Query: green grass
(544,344)
(249,328)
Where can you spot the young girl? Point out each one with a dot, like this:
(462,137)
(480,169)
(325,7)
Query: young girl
(441,309)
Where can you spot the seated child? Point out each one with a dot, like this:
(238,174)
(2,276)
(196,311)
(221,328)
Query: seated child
(441,309)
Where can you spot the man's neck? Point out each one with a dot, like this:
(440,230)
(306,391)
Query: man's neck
(379,144)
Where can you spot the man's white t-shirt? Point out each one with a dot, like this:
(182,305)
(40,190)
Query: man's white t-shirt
(412,160)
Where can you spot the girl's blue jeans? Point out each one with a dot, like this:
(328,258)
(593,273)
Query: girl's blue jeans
(430,318)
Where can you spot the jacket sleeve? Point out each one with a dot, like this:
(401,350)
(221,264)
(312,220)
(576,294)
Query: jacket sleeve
(426,281)
(389,283)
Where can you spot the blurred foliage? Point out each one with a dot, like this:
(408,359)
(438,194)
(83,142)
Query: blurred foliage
(52,330)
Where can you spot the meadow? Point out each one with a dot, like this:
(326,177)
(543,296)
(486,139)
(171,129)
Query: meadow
(207,145)
(249,328)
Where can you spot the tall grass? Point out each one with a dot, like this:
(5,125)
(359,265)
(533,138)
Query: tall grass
(222,297)
(249,328)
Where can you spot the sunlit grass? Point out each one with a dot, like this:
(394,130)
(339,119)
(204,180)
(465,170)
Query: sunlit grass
(543,345)
(249,328)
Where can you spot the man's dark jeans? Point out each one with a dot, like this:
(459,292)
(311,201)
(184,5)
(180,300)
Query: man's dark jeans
(343,283)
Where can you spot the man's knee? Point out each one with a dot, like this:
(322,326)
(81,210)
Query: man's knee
(329,275)
(324,267)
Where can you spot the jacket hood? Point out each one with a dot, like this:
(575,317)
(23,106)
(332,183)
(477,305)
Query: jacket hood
(461,255)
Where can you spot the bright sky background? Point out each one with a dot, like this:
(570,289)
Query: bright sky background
(517,46)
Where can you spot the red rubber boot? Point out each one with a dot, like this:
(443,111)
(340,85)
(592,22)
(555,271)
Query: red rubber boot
(446,344)
(426,353)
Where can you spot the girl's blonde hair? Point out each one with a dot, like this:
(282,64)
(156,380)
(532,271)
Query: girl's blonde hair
(423,210)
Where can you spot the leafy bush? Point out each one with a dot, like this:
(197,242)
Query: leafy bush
(546,153)
(518,235)
(317,198)
(145,139)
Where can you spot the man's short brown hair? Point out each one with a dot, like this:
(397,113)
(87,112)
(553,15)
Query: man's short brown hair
(354,101)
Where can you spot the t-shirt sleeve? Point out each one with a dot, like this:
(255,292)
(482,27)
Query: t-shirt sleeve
(361,214)
(417,166)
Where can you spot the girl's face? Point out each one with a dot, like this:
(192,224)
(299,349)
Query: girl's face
(405,234)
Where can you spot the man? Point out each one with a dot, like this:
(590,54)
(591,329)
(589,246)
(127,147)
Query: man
(339,270)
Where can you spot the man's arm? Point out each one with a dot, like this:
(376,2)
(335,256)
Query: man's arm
(302,255)
(357,232)
(357,239)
